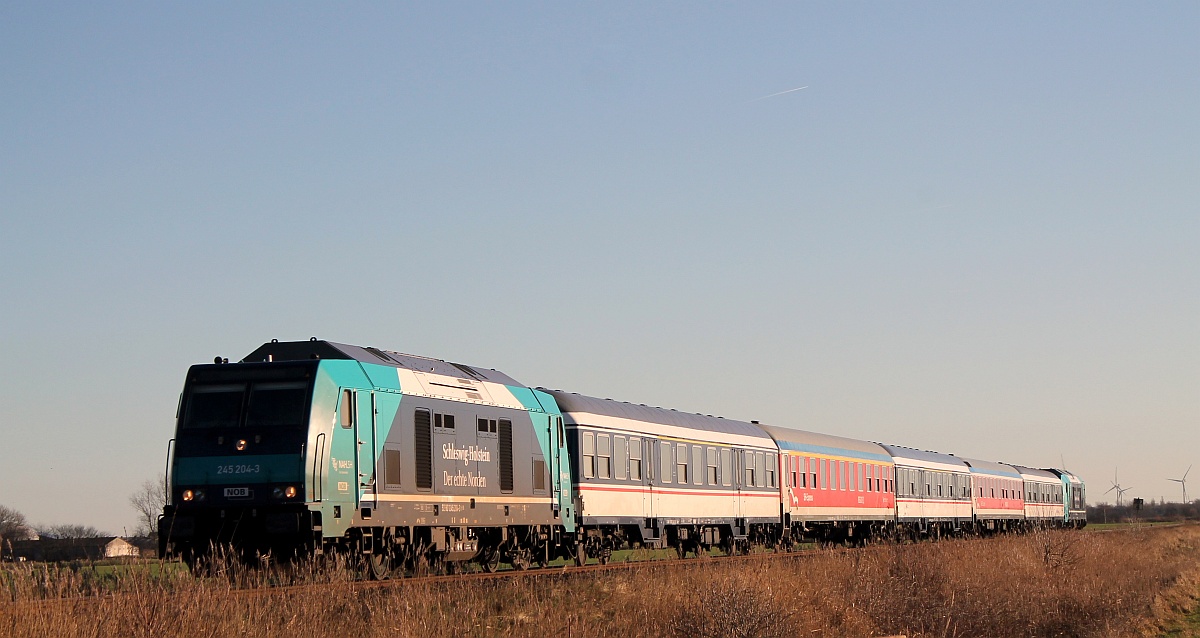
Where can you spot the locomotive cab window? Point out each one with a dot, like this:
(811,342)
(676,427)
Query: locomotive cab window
(391,467)
(539,475)
(346,409)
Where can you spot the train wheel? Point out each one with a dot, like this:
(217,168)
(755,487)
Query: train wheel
(520,560)
(378,566)
(491,562)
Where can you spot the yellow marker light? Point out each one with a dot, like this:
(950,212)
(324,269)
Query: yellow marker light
(240,445)
(187,495)
(290,492)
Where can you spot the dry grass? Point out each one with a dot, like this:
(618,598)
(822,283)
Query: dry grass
(1044,584)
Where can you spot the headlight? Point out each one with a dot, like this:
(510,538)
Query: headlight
(187,495)
(290,491)
(199,495)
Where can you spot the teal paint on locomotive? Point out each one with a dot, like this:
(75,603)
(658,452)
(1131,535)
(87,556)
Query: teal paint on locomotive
(239,470)
(341,489)
(547,421)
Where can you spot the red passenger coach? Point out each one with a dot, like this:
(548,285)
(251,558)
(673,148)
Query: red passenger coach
(996,494)
(833,487)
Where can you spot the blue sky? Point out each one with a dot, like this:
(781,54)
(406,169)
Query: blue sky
(975,231)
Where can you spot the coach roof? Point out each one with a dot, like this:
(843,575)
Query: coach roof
(989,467)
(816,443)
(570,402)
(925,458)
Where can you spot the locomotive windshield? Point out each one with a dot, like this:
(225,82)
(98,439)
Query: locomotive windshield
(269,404)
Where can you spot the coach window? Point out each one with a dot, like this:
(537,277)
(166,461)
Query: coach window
(665,461)
(712,465)
(681,463)
(797,471)
(759,474)
(812,468)
(604,456)
(635,459)
(697,463)
(726,466)
(589,455)
(821,474)
(621,458)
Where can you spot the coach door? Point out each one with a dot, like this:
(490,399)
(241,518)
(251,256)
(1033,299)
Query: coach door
(364,432)
(739,474)
(647,469)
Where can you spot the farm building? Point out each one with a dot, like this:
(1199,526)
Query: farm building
(64,549)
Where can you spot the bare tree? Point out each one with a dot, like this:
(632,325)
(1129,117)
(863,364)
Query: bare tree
(148,501)
(70,530)
(13,527)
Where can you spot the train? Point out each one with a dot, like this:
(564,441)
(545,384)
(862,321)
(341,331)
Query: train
(398,462)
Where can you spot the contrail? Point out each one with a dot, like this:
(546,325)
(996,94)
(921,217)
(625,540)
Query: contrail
(776,94)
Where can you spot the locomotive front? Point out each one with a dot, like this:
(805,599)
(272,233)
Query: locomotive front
(237,473)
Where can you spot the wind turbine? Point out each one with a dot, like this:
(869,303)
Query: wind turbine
(1116,487)
(1183,482)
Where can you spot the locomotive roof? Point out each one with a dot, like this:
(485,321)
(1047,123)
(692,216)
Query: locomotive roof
(802,441)
(315,349)
(991,467)
(570,402)
(925,458)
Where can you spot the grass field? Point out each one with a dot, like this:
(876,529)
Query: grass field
(1134,582)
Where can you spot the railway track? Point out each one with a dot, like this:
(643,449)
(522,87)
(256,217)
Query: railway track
(362,584)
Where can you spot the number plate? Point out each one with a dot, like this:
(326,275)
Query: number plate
(237,492)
